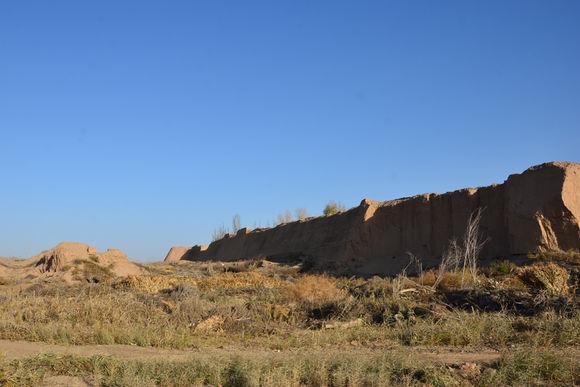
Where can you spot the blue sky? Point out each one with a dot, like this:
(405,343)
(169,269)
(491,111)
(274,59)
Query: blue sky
(146,124)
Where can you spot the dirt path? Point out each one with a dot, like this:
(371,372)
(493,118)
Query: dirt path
(22,349)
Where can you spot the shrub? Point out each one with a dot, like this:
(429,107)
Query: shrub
(548,277)
(313,288)
(219,233)
(503,267)
(92,272)
(333,208)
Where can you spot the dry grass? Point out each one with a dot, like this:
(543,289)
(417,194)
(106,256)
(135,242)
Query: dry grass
(228,280)
(313,289)
(262,308)
(445,281)
(247,307)
(318,368)
(239,369)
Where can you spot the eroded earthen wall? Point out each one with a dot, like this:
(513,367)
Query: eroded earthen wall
(538,209)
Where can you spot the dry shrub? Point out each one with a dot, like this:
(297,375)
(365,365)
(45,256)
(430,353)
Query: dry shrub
(444,281)
(212,323)
(314,288)
(453,280)
(92,272)
(228,280)
(376,287)
(278,312)
(152,283)
(548,277)
(464,255)
(428,278)
(237,280)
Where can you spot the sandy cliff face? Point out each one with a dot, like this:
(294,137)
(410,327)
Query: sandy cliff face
(542,208)
(538,209)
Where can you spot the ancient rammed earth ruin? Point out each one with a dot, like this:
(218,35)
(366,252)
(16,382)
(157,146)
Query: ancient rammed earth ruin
(538,209)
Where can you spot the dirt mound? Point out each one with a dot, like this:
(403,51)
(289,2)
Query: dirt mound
(71,261)
(63,254)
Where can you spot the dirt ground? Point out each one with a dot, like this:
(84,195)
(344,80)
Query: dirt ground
(23,349)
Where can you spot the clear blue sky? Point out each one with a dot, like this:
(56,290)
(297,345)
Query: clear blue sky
(146,124)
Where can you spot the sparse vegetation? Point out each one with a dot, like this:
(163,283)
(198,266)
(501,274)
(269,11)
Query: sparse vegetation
(219,233)
(301,214)
(333,208)
(284,218)
(313,368)
(90,271)
(280,324)
(272,306)
(330,331)
(259,322)
(222,230)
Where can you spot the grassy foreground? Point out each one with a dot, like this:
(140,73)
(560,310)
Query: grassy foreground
(316,369)
(281,326)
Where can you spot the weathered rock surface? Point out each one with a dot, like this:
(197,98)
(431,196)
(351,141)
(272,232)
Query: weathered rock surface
(535,210)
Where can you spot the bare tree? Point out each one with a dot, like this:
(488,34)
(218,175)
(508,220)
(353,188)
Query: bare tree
(472,245)
(449,261)
(301,213)
(284,218)
(236,223)
(219,233)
